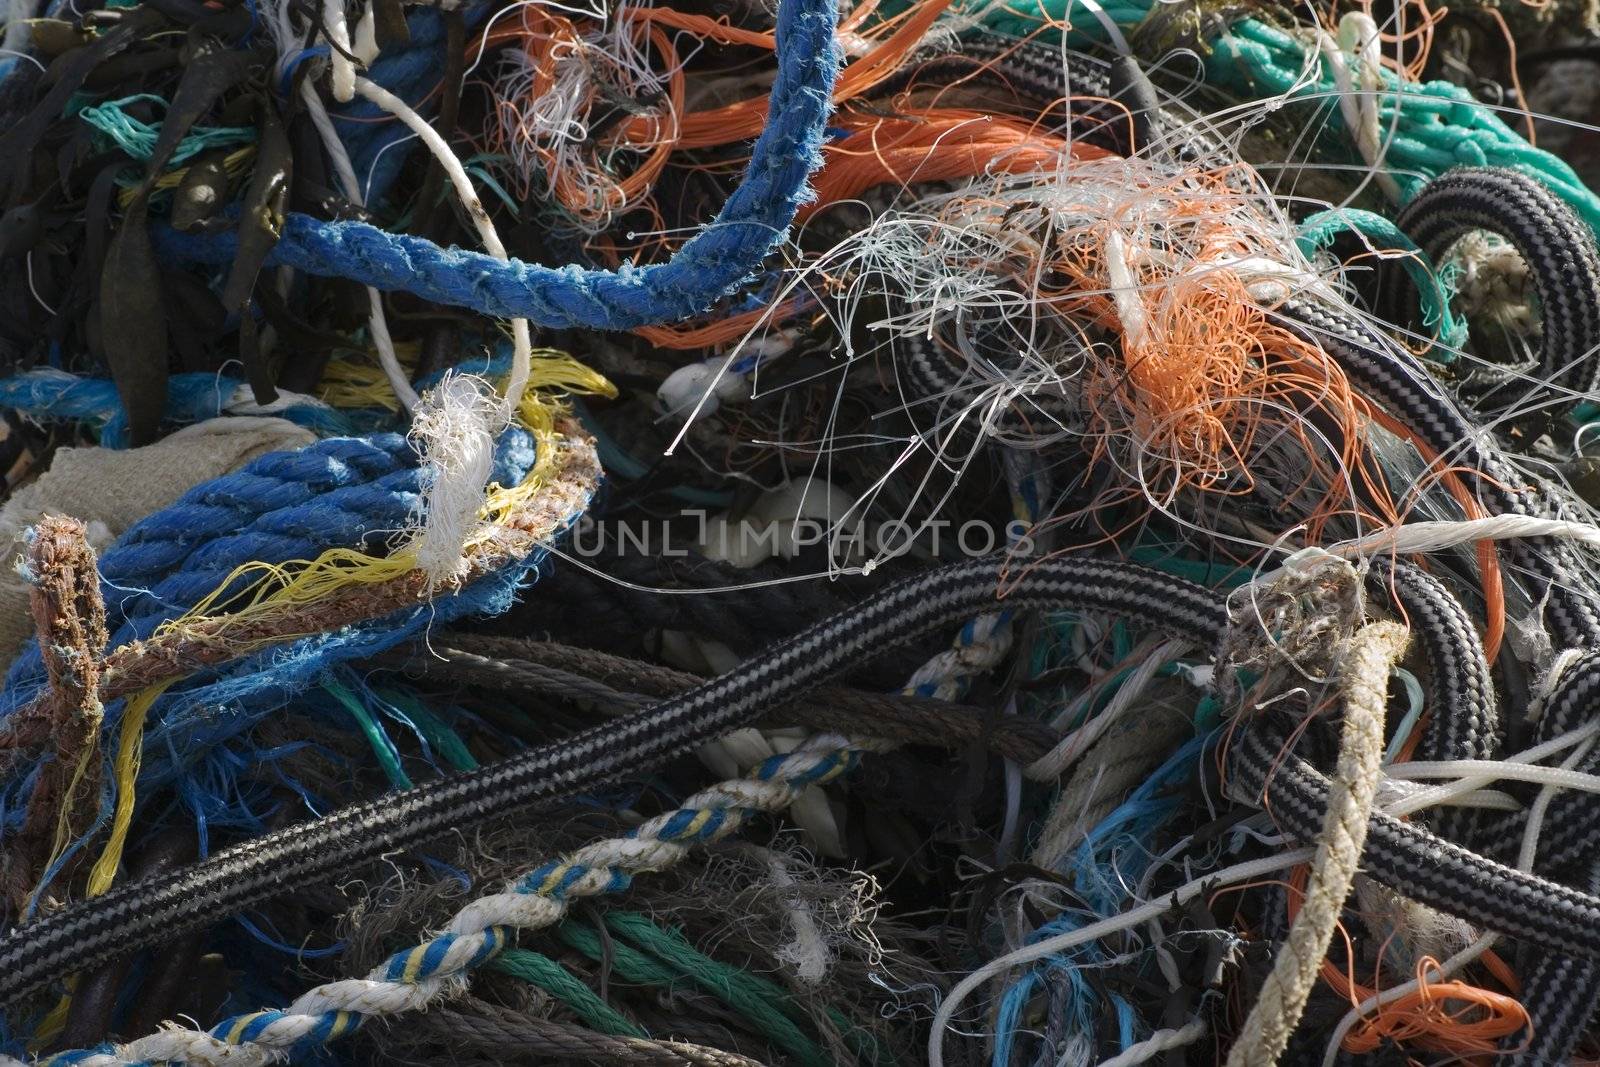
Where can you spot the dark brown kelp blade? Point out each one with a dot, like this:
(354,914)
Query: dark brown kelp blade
(212,70)
(260,223)
(133,323)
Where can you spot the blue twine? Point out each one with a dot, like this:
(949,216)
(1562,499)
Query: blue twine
(52,395)
(754,220)
(1112,856)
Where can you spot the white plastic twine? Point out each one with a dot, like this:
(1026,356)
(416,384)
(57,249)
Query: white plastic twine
(453,427)
(456,422)
(1358,104)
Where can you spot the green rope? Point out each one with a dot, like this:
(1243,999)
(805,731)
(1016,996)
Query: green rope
(1319,231)
(1436,125)
(138,139)
(740,991)
(382,746)
(440,735)
(550,976)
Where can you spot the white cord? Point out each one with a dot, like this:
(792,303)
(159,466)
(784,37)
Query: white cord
(1554,777)
(1157,1043)
(377,323)
(1438,794)
(343,71)
(521,340)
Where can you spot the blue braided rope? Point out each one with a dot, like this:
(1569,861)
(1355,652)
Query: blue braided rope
(51,395)
(754,220)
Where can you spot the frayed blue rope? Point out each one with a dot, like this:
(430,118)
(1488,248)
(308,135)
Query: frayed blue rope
(755,219)
(280,507)
(52,395)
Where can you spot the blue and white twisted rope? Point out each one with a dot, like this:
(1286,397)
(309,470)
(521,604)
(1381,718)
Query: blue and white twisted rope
(414,978)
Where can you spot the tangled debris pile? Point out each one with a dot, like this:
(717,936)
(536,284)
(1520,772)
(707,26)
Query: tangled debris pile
(839,533)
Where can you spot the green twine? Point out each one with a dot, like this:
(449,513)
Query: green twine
(1319,231)
(439,735)
(138,139)
(645,954)
(741,992)
(560,983)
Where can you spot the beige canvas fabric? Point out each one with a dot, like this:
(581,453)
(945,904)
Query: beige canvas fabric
(110,490)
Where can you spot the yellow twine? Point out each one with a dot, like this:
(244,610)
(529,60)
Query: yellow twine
(52,1024)
(64,818)
(130,749)
(234,163)
(353,383)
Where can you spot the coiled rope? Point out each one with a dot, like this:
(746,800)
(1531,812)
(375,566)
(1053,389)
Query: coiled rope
(754,220)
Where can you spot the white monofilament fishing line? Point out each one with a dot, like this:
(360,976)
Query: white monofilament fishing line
(453,427)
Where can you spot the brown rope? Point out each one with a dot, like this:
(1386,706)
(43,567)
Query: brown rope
(622,684)
(70,619)
(509,1036)
(211,641)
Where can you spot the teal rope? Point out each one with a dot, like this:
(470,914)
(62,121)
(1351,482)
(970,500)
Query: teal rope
(1437,125)
(550,976)
(1319,231)
(753,999)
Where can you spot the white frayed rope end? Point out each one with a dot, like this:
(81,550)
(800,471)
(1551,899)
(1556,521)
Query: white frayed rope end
(453,428)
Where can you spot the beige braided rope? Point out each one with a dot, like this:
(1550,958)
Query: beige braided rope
(1364,685)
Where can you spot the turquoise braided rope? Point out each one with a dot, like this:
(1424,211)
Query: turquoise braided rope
(1436,125)
(1319,230)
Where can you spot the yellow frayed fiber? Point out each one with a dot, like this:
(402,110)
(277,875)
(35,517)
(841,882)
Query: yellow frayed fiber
(130,750)
(360,383)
